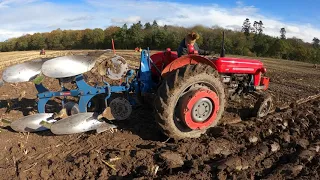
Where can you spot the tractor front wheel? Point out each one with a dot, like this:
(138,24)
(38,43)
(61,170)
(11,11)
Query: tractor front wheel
(190,100)
(263,105)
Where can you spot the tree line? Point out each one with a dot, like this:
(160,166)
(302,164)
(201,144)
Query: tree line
(250,41)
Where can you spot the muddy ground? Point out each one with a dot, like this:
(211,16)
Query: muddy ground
(283,145)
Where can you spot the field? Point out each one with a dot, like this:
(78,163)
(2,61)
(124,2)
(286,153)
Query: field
(283,145)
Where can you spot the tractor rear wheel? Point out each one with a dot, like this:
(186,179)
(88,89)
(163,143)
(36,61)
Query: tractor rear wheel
(189,101)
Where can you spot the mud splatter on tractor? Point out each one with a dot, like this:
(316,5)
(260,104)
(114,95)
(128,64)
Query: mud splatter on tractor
(190,93)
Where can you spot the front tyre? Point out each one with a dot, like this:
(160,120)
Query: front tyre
(190,100)
(263,105)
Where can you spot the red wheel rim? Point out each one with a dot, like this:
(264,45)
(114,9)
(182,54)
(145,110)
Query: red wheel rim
(196,111)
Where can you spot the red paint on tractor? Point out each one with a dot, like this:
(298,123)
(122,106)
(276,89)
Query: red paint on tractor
(188,104)
(229,65)
(265,82)
(162,59)
(168,62)
(238,65)
(257,78)
(185,60)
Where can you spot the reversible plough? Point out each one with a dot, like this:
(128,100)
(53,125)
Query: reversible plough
(189,93)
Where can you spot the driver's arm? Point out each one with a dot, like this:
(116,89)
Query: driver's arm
(201,51)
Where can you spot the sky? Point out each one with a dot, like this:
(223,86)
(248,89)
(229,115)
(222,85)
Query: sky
(299,17)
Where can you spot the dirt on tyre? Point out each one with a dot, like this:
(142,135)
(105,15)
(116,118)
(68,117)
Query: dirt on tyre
(189,101)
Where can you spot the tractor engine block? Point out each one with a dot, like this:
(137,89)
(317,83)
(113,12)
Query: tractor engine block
(238,84)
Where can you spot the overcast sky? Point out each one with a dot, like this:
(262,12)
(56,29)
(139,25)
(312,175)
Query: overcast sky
(18,17)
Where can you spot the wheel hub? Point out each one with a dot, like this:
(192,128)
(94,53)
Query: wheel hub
(202,110)
(199,108)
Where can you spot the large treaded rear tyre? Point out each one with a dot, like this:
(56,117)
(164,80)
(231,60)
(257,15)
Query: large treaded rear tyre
(174,86)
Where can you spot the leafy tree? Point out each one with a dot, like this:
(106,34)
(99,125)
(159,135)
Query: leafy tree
(22,43)
(98,38)
(147,26)
(68,39)
(121,38)
(135,35)
(258,27)
(54,38)
(160,37)
(88,39)
(246,27)
(261,45)
(155,24)
(316,42)
(109,34)
(283,33)
(238,42)
(37,41)
(79,35)
(139,25)
(315,55)
(299,53)
(279,49)
(10,44)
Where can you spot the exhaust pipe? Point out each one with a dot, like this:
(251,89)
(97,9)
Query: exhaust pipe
(223,51)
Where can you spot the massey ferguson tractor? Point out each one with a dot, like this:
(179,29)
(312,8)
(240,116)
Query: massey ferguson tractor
(189,93)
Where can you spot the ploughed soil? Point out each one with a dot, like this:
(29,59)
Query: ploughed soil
(283,145)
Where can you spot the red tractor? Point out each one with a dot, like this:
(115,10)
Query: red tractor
(194,90)
(191,92)
(42,52)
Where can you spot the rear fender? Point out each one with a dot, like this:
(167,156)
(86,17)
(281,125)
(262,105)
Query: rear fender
(186,60)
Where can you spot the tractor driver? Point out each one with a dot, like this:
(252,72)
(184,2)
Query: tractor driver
(189,46)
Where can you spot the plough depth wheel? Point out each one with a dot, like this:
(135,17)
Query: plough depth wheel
(190,100)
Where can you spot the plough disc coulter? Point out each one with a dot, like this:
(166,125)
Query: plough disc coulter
(67,66)
(24,72)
